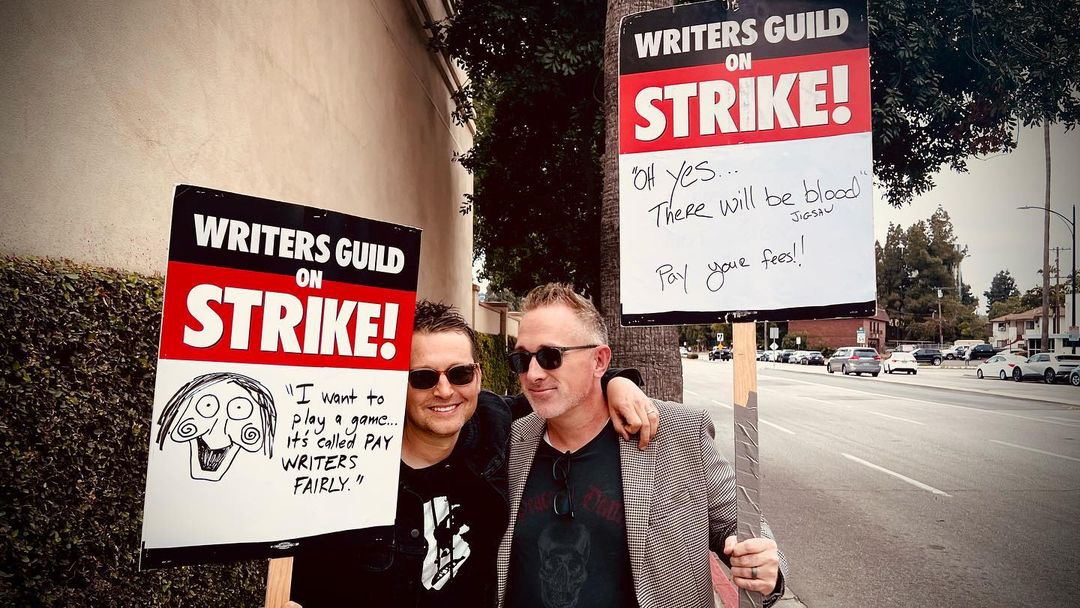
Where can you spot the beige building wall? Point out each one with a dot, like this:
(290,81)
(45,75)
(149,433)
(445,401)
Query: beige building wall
(335,103)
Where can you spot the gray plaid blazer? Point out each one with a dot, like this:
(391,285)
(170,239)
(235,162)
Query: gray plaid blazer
(679,497)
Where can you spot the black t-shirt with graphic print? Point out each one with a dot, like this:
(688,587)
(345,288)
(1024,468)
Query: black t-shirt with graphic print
(462,545)
(562,562)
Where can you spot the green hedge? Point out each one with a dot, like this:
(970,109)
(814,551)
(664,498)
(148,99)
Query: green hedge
(78,347)
(497,375)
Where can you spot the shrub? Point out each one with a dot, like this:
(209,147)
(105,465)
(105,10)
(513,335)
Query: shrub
(497,375)
(78,349)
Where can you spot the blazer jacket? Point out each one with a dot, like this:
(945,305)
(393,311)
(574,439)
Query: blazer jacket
(679,501)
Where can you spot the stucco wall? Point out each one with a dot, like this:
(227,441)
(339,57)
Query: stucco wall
(107,104)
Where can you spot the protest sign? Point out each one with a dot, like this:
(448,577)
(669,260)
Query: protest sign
(745,163)
(280,390)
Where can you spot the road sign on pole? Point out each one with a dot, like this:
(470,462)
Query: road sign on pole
(774,333)
(774,346)
(719,337)
(860,336)
(798,340)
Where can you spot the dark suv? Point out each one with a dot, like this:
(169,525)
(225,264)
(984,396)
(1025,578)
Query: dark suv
(980,352)
(932,356)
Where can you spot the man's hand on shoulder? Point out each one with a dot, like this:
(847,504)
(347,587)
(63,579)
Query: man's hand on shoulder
(632,412)
(755,563)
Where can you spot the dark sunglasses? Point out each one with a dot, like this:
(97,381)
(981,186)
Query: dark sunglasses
(425,378)
(549,357)
(563,504)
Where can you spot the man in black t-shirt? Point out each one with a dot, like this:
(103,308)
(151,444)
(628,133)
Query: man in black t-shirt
(452,505)
(592,524)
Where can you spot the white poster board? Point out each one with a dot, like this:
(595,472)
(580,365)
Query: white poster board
(745,163)
(281,378)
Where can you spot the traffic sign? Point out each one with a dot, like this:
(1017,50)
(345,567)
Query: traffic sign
(860,336)
(719,337)
(774,333)
(774,346)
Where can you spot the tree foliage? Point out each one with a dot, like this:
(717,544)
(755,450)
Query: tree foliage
(1002,287)
(912,266)
(942,92)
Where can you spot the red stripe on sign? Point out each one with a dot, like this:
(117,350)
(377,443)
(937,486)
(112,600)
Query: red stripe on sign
(774,100)
(242,316)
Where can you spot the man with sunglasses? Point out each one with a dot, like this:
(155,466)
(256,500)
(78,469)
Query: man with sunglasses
(452,498)
(592,523)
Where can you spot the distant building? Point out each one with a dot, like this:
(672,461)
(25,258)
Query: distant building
(1023,331)
(836,333)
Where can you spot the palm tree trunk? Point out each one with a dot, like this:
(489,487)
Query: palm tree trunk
(1045,344)
(653,350)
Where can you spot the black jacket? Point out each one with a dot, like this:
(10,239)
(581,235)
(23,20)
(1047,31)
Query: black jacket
(381,566)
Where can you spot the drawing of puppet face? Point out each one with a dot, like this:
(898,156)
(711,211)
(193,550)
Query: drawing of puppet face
(217,415)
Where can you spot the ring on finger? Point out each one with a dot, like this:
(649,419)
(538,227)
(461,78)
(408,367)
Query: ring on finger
(753,572)
(651,411)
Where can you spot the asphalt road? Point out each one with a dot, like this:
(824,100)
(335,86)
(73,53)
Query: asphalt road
(895,493)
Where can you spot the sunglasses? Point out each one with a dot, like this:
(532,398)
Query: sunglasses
(563,504)
(425,378)
(549,357)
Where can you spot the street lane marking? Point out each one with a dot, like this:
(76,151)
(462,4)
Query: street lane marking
(894,417)
(776,426)
(772,424)
(1020,447)
(1073,420)
(686,390)
(935,403)
(917,484)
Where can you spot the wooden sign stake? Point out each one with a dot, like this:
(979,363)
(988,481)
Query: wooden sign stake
(278,582)
(747,465)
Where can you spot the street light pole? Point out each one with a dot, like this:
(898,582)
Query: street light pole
(1072,233)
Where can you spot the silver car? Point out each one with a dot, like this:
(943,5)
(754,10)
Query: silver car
(855,360)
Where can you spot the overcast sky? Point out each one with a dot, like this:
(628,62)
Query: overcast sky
(983,205)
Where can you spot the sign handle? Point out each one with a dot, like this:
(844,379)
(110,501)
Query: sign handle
(747,473)
(278,582)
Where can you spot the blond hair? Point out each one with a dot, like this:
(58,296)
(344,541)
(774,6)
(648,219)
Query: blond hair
(553,294)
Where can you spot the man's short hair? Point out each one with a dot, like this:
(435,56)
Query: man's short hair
(564,294)
(436,317)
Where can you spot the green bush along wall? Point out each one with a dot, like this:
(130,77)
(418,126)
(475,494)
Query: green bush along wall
(78,348)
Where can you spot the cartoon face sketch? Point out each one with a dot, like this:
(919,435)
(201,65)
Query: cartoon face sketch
(216,415)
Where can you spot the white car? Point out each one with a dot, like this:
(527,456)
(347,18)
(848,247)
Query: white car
(999,366)
(1047,366)
(901,361)
(683,351)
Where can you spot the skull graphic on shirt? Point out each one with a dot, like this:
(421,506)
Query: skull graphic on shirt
(564,560)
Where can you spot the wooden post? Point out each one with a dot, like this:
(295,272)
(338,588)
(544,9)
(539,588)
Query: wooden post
(747,465)
(278,582)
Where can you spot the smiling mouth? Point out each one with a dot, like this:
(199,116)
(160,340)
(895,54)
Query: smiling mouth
(210,459)
(445,409)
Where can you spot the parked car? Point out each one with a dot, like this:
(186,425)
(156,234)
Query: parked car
(1074,376)
(855,360)
(900,361)
(683,351)
(796,357)
(999,366)
(954,352)
(723,354)
(1048,366)
(812,357)
(979,352)
(762,355)
(785,355)
(932,356)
